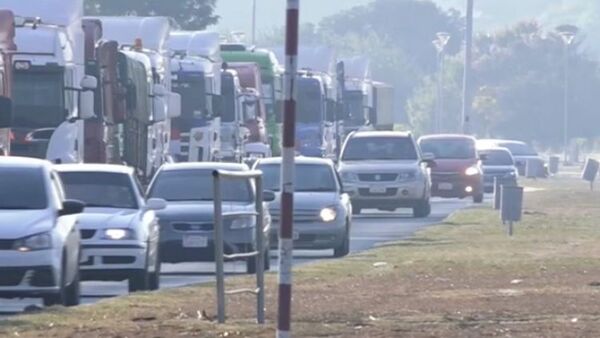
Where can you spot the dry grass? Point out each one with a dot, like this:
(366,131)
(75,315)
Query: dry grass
(464,278)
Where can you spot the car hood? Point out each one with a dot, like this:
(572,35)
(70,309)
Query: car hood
(15,224)
(103,218)
(198,211)
(453,165)
(308,201)
(376,166)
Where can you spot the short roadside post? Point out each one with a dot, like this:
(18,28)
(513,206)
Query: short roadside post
(498,183)
(512,205)
(590,171)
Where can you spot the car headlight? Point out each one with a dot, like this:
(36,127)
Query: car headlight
(349,177)
(407,176)
(118,234)
(242,223)
(472,171)
(328,215)
(34,243)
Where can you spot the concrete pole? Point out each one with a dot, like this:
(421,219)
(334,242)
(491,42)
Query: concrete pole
(467,90)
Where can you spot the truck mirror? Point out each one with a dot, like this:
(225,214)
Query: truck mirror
(159,90)
(89,83)
(174,105)
(6,112)
(86,105)
(159,109)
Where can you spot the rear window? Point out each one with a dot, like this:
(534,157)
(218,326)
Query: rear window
(22,189)
(449,148)
(519,149)
(379,148)
(497,157)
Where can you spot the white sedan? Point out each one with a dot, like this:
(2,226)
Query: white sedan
(39,239)
(119,228)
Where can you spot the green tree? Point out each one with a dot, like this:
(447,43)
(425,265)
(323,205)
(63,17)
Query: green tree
(190,14)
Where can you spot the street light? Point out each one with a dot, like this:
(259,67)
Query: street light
(440,44)
(253,22)
(567,33)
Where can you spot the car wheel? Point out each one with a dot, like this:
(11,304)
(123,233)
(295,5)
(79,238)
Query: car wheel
(478,198)
(422,209)
(251,265)
(356,210)
(344,248)
(267,260)
(139,280)
(73,291)
(57,298)
(154,278)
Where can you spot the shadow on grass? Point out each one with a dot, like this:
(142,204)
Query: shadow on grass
(417,242)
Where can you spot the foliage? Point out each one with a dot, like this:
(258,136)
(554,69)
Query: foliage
(190,14)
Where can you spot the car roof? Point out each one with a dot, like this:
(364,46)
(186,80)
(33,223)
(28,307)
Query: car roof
(494,149)
(446,136)
(380,134)
(497,141)
(205,166)
(23,162)
(298,160)
(105,168)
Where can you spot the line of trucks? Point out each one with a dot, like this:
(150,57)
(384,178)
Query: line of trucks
(141,92)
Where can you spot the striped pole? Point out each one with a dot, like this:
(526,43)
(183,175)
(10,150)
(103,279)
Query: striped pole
(286,241)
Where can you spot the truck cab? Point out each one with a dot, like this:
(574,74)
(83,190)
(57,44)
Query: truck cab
(52,95)
(357,94)
(196,77)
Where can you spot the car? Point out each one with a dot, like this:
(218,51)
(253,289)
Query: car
(497,163)
(186,225)
(119,228)
(521,152)
(457,173)
(39,237)
(322,211)
(386,171)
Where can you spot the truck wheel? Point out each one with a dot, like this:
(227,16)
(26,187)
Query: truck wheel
(422,209)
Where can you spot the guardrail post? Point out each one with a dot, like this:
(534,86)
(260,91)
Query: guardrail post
(260,258)
(218,243)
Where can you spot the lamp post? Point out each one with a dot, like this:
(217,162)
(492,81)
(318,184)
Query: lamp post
(253,22)
(567,33)
(440,44)
(467,91)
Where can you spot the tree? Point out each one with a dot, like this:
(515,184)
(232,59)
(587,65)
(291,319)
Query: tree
(190,14)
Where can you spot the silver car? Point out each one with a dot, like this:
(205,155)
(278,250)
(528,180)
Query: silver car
(521,152)
(497,163)
(385,171)
(322,212)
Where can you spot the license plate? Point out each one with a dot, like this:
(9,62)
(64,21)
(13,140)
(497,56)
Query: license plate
(296,236)
(445,186)
(378,190)
(192,241)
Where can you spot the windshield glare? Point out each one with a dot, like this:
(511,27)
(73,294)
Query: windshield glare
(309,178)
(22,189)
(197,185)
(100,190)
(452,149)
(519,149)
(380,148)
(38,100)
(497,157)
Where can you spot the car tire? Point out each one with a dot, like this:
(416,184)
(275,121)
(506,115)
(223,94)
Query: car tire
(251,265)
(356,210)
(478,198)
(422,209)
(139,280)
(154,277)
(73,291)
(344,249)
(57,298)
(267,261)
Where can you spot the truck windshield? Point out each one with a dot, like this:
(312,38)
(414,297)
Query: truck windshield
(228,101)
(193,97)
(355,107)
(380,148)
(39,100)
(310,102)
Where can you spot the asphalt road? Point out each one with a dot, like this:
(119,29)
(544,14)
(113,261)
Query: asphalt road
(370,229)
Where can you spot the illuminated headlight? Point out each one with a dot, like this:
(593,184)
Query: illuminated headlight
(34,243)
(118,234)
(328,215)
(406,176)
(242,223)
(349,177)
(472,171)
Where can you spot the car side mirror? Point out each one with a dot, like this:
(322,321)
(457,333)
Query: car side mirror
(156,204)
(428,157)
(268,196)
(159,90)
(89,83)
(6,112)
(174,105)
(71,207)
(429,163)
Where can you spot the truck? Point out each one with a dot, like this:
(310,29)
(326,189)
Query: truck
(52,95)
(149,36)
(383,114)
(233,132)
(196,76)
(272,83)
(7,47)
(357,98)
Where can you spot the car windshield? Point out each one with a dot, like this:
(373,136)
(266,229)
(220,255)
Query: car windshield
(197,185)
(519,149)
(309,177)
(22,189)
(100,190)
(379,148)
(497,157)
(449,149)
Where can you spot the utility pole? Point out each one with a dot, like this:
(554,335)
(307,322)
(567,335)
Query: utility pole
(467,90)
(288,167)
(567,33)
(440,45)
(253,22)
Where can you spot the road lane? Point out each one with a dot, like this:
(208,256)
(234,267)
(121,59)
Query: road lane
(370,229)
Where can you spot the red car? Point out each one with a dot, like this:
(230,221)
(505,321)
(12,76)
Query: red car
(457,173)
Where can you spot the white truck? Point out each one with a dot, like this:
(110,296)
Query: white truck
(51,93)
(196,76)
(150,36)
